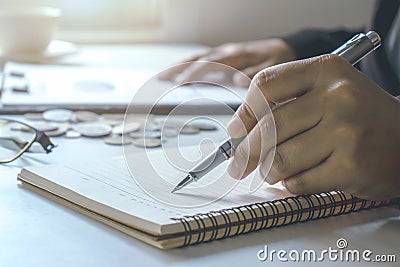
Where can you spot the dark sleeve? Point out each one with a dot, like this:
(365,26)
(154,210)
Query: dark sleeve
(313,42)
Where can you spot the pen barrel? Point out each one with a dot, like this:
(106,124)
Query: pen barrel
(358,47)
(207,164)
(219,155)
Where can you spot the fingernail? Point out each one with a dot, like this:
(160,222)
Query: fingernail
(236,128)
(234,170)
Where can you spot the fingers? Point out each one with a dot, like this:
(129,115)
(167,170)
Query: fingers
(304,159)
(285,81)
(254,148)
(170,73)
(321,178)
(274,85)
(281,83)
(199,69)
(300,153)
(290,119)
(296,130)
(240,126)
(290,80)
(250,72)
(297,116)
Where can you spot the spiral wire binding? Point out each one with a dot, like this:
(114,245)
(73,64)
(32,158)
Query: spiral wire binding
(260,215)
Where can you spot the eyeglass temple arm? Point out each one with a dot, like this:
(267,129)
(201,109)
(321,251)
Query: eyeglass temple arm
(44,141)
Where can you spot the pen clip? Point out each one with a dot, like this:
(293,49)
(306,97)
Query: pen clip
(354,40)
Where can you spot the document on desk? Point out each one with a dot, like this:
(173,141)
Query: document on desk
(92,88)
(105,191)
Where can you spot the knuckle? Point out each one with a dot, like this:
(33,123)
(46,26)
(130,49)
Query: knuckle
(354,162)
(333,66)
(350,132)
(280,122)
(260,80)
(281,162)
(334,61)
(267,129)
(260,83)
(345,73)
(343,92)
(245,112)
(354,130)
(347,91)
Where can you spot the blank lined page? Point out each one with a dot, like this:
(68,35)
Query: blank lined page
(113,184)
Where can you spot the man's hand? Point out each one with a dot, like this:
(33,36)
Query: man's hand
(342,132)
(248,57)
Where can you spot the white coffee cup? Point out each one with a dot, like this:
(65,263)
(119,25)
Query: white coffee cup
(27,30)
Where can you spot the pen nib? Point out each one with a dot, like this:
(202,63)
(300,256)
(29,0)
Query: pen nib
(184,182)
(175,189)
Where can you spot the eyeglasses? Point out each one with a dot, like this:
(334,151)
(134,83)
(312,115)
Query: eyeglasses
(17,137)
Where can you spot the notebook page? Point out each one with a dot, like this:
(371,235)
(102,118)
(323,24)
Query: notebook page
(110,182)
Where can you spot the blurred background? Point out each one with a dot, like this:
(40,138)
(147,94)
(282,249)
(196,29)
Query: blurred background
(209,22)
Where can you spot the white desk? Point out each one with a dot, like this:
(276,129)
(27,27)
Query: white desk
(140,56)
(35,231)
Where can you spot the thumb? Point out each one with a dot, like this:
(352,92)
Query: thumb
(242,81)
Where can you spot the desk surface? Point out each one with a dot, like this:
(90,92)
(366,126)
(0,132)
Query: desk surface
(35,231)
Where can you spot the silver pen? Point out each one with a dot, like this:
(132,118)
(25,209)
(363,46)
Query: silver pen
(353,51)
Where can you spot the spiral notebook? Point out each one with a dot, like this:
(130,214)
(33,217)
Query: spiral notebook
(105,191)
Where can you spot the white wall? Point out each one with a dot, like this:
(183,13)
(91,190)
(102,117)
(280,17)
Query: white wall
(218,21)
(199,21)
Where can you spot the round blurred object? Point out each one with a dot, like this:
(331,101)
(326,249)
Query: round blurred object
(55,133)
(118,140)
(58,115)
(203,125)
(72,134)
(147,142)
(45,126)
(84,116)
(169,132)
(92,129)
(145,134)
(33,116)
(125,128)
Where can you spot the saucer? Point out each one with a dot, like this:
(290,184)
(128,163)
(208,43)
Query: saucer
(55,49)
